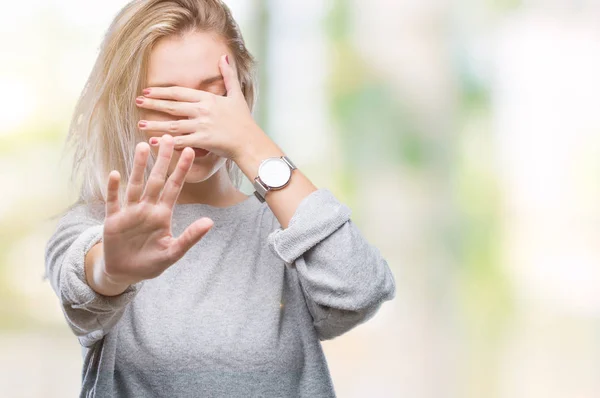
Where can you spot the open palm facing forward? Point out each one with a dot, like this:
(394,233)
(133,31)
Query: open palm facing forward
(138,243)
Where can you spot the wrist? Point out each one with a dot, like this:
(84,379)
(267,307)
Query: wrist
(107,278)
(98,279)
(258,147)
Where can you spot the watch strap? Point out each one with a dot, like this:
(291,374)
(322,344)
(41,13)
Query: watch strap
(289,162)
(261,189)
(260,198)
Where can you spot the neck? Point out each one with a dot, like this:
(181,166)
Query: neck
(218,191)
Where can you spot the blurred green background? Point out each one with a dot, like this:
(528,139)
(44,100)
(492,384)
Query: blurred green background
(464,136)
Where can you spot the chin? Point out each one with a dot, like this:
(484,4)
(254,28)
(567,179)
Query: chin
(203,171)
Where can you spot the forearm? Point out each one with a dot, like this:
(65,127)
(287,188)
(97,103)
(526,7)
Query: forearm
(344,278)
(95,276)
(283,202)
(72,253)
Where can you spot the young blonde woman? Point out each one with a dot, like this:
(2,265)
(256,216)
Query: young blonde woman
(175,282)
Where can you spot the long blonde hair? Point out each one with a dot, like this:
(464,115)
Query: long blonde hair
(103,131)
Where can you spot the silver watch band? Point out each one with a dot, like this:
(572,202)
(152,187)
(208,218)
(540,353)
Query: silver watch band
(289,162)
(260,189)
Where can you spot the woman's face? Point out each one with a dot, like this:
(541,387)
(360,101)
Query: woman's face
(190,61)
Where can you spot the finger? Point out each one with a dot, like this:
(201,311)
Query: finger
(169,126)
(232,84)
(176,93)
(176,108)
(156,180)
(198,139)
(135,186)
(112,195)
(176,180)
(190,237)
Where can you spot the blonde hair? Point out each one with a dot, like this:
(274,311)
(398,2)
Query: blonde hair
(103,131)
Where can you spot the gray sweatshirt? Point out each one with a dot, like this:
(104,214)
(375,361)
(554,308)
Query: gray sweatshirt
(242,314)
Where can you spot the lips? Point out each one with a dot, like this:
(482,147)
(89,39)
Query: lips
(197,151)
(200,152)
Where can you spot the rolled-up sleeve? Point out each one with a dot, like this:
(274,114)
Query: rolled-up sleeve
(344,278)
(90,315)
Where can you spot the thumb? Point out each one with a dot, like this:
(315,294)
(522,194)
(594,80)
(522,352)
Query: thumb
(232,84)
(190,237)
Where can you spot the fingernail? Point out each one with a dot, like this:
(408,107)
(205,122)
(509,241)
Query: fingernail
(146,91)
(153,141)
(177,141)
(142,123)
(227,59)
(139,100)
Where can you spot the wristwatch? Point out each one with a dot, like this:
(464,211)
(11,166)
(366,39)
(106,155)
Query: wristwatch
(273,173)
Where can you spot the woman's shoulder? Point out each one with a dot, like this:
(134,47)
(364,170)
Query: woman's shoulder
(84,211)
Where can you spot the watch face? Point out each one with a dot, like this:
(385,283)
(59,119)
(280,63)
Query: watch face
(274,172)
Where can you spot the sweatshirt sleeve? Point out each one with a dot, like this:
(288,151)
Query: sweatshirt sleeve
(344,278)
(90,315)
